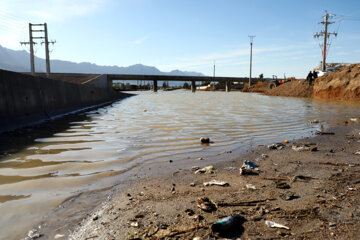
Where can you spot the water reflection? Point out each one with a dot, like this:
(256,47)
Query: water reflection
(94,150)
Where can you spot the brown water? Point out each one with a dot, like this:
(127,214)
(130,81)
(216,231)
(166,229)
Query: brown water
(97,151)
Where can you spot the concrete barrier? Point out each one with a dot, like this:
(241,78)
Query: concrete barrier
(26,99)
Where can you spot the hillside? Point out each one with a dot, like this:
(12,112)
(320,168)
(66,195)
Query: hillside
(18,61)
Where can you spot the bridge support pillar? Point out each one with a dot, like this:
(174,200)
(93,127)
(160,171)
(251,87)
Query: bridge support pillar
(193,86)
(155,86)
(227,86)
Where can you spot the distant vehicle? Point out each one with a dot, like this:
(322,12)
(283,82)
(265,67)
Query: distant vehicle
(322,73)
(276,82)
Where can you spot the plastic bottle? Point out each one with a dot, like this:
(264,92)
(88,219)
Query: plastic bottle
(226,223)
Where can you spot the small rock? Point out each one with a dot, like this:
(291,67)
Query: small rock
(264,155)
(170,161)
(163,226)
(331,224)
(250,186)
(282,185)
(200,158)
(134,224)
(287,196)
(58,236)
(95,218)
(205,204)
(192,184)
(156,214)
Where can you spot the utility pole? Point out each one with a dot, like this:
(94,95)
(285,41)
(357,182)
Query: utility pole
(214,69)
(326,35)
(32,42)
(251,45)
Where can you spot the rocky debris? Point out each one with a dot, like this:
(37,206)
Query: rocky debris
(207,205)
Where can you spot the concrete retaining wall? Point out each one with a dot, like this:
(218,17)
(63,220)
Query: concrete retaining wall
(25,99)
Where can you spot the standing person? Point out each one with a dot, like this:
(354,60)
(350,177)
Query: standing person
(315,75)
(309,77)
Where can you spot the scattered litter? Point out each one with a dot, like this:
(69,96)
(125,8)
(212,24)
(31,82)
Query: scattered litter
(249,168)
(357,153)
(286,141)
(58,236)
(200,158)
(304,147)
(189,212)
(259,159)
(205,140)
(207,205)
(324,133)
(351,189)
(282,185)
(276,146)
(264,155)
(231,169)
(33,234)
(250,186)
(287,196)
(227,223)
(217,183)
(275,225)
(300,148)
(134,224)
(194,168)
(314,121)
(302,178)
(353,119)
(207,170)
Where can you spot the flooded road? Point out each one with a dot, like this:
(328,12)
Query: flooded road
(99,149)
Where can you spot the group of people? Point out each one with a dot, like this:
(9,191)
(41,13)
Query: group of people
(311,76)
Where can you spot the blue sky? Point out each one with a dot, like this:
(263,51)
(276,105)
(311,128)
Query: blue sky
(188,34)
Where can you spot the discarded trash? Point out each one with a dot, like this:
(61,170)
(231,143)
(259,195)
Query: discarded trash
(305,147)
(200,158)
(59,236)
(205,140)
(353,119)
(282,185)
(227,223)
(218,183)
(324,133)
(264,155)
(313,121)
(134,224)
(259,159)
(276,146)
(231,169)
(189,212)
(286,141)
(275,225)
(287,196)
(250,186)
(207,170)
(302,178)
(194,168)
(300,148)
(205,204)
(357,153)
(249,168)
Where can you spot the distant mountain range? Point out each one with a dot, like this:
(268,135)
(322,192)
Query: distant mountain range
(18,61)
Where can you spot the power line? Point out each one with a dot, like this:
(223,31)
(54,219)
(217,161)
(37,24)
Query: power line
(325,34)
(43,29)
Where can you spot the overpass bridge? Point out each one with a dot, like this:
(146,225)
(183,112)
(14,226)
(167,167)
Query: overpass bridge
(192,79)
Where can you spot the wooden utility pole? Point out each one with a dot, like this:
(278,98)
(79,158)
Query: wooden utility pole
(326,35)
(251,45)
(32,42)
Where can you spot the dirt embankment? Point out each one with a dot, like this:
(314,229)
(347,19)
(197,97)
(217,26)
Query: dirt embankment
(259,87)
(343,84)
(294,88)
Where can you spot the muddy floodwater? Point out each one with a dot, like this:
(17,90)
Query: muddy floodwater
(99,150)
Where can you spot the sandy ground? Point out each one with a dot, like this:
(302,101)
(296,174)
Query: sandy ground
(321,199)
